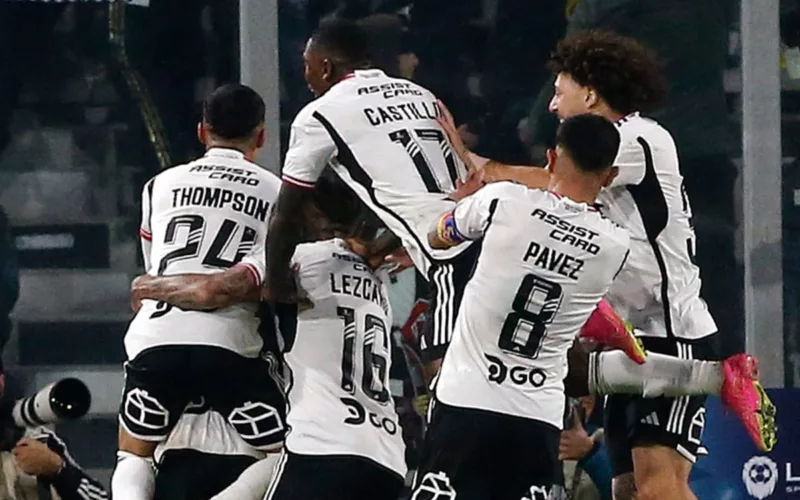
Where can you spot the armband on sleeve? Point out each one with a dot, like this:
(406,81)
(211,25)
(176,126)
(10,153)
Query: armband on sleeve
(447,231)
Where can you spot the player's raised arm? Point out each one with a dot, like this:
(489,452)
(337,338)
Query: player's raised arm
(467,221)
(491,170)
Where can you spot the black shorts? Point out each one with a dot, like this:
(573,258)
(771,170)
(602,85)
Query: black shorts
(161,381)
(448,279)
(194,475)
(332,477)
(476,455)
(677,423)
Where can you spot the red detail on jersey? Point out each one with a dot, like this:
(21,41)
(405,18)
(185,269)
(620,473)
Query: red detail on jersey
(297,182)
(145,235)
(253,272)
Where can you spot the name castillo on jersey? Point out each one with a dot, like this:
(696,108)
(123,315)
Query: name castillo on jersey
(391,113)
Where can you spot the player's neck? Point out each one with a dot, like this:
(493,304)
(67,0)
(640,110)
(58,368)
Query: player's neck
(249,154)
(576,190)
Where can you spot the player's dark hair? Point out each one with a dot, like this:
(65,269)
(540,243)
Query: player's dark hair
(234,111)
(590,140)
(342,208)
(344,41)
(626,74)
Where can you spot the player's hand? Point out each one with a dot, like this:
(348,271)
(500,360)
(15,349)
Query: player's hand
(448,124)
(463,189)
(36,459)
(575,442)
(137,288)
(400,260)
(421,404)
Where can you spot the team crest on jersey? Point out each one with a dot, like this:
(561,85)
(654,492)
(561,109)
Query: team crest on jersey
(257,423)
(145,411)
(434,486)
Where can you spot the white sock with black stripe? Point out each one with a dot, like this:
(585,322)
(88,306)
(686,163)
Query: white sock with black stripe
(252,484)
(612,372)
(134,478)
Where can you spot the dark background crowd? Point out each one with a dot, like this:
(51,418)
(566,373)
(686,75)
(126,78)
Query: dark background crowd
(96,97)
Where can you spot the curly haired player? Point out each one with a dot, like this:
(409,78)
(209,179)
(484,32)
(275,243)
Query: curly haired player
(653,442)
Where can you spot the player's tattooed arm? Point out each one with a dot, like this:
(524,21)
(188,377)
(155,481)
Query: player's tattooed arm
(285,233)
(198,291)
(490,170)
(445,234)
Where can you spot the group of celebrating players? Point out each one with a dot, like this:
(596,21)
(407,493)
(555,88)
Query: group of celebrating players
(262,336)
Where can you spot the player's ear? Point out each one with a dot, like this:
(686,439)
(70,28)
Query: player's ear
(328,70)
(610,176)
(261,137)
(592,98)
(201,133)
(552,156)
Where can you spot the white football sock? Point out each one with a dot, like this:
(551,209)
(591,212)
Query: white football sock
(134,478)
(612,372)
(252,484)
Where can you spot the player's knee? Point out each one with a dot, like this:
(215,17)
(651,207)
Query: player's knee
(135,446)
(658,484)
(624,487)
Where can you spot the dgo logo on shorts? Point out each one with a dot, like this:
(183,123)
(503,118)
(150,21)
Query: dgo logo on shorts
(256,423)
(434,486)
(760,475)
(145,411)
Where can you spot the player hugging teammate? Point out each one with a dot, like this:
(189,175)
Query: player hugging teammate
(517,271)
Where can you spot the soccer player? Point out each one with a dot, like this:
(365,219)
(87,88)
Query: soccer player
(344,431)
(653,442)
(547,259)
(202,217)
(380,136)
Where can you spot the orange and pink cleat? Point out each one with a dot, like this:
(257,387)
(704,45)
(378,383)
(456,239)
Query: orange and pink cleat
(742,394)
(606,328)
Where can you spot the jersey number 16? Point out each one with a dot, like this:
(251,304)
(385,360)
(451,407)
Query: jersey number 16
(375,366)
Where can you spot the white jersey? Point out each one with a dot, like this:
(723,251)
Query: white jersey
(379,134)
(204,217)
(658,291)
(340,359)
(545,264)
(206,431)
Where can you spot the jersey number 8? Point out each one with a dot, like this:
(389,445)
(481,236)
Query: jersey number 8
(375,366)
(534,306)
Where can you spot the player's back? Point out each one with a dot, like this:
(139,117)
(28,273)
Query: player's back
(659,289)
(390,150)
(204,217)
(340,358)
(545,263)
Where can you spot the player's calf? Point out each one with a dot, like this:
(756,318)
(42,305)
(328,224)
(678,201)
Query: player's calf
(134,476)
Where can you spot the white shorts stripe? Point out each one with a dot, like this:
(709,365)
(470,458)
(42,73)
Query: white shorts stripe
(276,478)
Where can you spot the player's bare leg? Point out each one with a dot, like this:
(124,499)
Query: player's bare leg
(134,475)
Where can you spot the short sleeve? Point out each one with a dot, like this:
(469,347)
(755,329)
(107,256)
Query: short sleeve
(631,160)
(145,231)
(473,214)
(310,149)
(256,260)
